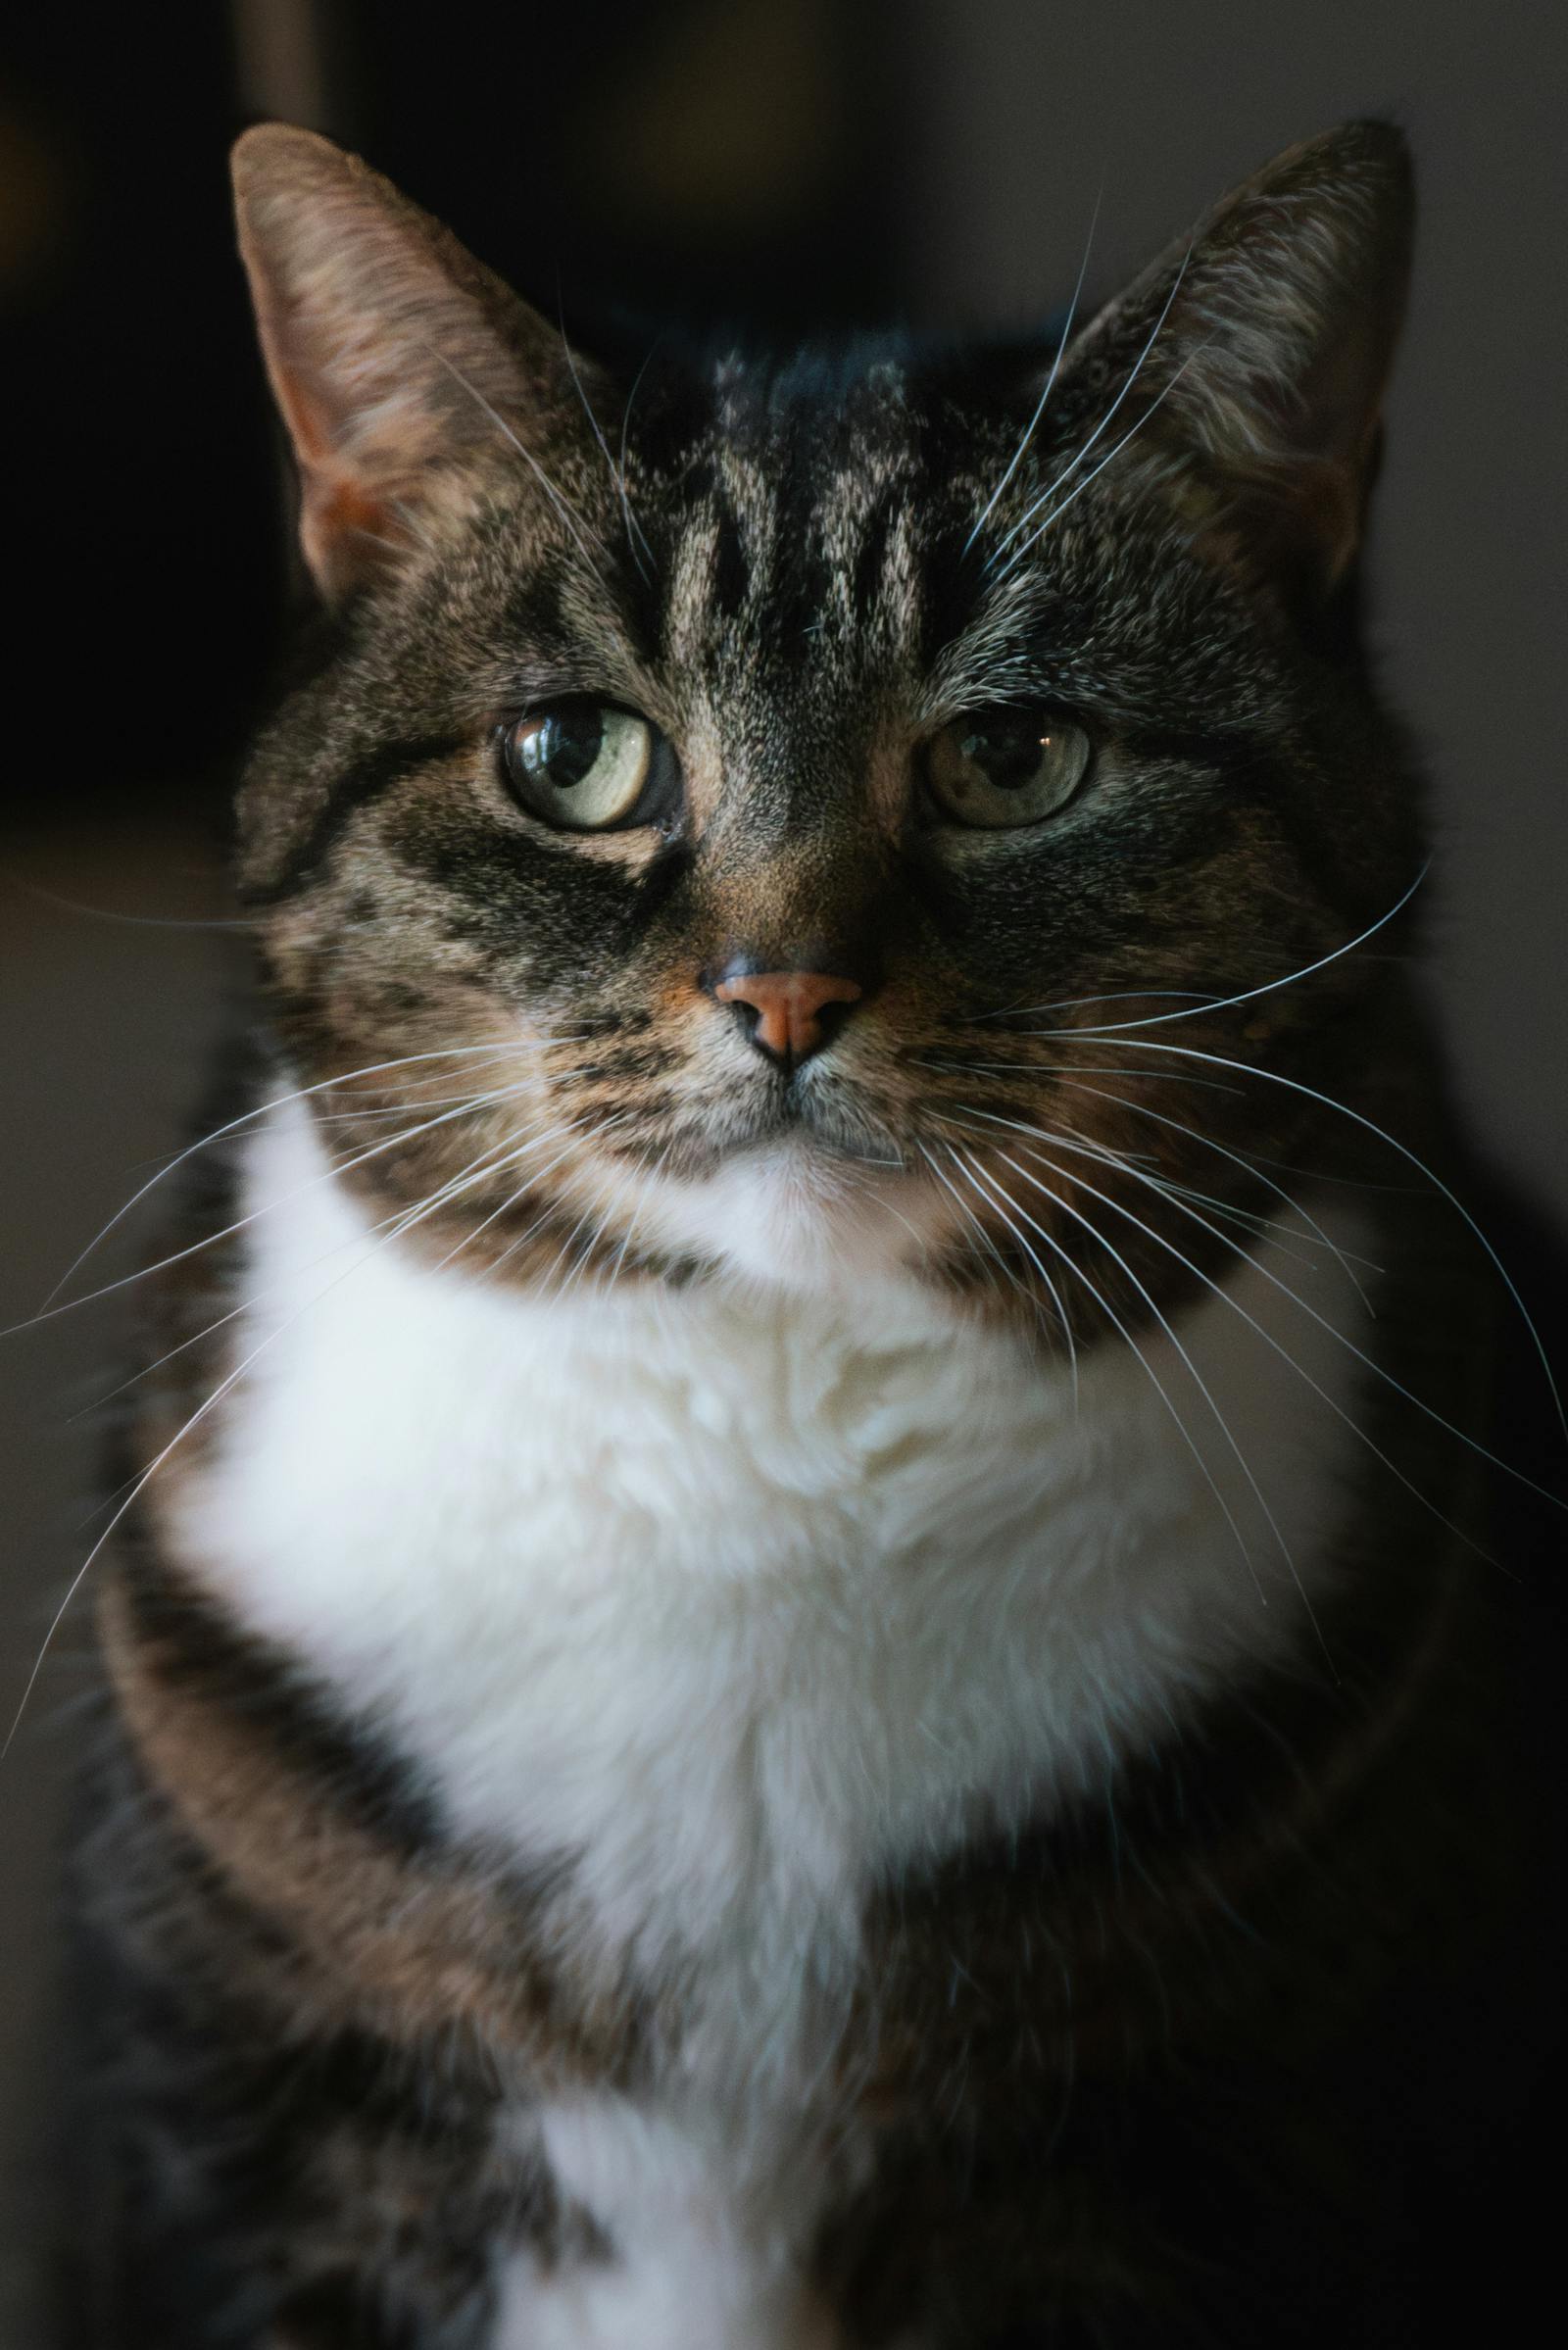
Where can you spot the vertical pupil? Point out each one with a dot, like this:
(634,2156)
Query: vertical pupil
(567,744)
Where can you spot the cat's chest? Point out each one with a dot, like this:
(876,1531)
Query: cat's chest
(740,1601)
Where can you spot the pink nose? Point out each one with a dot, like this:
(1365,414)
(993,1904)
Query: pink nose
(788,1005)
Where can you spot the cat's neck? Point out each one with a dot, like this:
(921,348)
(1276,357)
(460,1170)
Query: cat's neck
(744,1597)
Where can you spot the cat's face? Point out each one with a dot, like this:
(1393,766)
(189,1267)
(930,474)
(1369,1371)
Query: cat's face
(749,800)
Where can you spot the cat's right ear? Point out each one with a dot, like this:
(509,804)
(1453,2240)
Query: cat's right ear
(1256,351)
(391,352)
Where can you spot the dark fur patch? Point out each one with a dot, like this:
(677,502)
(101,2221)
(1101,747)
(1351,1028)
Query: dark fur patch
(203,1654)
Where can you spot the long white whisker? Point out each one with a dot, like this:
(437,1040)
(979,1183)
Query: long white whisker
(1280,1350)
(1130,434)
(996,1261)
(1203,1387)
(648,1180)
(1347,1256)
(141,1484)
(484,1162)
(1284,1290)
(111,914)
(206,1142)
(1120,995)
(1029,512)
(617,473)
(632,526)
(1255,1225)
(544,1216)
(571,520)
(1055,367)
(396,1109)
(1220,1060)
(598,1218)
(977,1175)
(569,1126)
(209,1239)
(1209,1003)
(1054,1291)
(1057,1068)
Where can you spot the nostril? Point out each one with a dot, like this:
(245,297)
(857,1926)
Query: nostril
(745,1014)
(831,1016)
(788,1014)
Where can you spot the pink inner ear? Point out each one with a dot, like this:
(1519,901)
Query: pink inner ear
(390,350)
(350,482)
(342,513)
(340,528)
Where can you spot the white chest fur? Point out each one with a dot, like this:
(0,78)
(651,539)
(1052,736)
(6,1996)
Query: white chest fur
(743,1599)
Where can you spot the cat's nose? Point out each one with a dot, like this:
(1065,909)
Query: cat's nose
(787,1014)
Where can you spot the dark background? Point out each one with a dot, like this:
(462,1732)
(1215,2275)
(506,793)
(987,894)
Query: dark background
(804,161)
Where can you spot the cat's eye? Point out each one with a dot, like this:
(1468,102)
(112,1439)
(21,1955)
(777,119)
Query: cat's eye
(1003,767)
(586,765)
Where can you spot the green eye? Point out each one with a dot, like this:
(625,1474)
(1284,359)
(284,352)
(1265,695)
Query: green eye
(1006,768)
(586,765)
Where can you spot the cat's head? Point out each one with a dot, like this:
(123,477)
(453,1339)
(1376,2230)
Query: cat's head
(814,815)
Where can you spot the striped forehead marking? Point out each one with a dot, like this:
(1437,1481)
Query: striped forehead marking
(843,570)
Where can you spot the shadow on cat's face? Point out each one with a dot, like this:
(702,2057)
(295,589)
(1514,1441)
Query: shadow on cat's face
(815,817)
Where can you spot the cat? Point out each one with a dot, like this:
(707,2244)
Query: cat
(795,1654)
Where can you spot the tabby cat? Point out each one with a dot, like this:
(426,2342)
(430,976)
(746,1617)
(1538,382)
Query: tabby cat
(795,1654)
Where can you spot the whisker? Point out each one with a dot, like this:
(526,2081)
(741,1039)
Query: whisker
(571,1126)
(110,913)
(1074,462)
(1120,995)
(1252,1170)
(617,473)
(598,1218)
(1284,1290)
(225,1387)
(1218,1002)
(1055,365)
(483,1164)
(625,428)
(206,1142)
(611,1277)
(1120,1327)
(996,1261)
(569,517)
(1370,1126)
(209,1239)
(1058,1068)
(1052,1291)
(1281,1351)
(396,1109)
(1254,1224)
(544,1216)
(1243,1464)
(1130,434)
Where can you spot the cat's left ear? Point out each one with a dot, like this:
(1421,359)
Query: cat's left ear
(392,352)
(1262,347)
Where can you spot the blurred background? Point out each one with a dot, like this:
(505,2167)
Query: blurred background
(803,162)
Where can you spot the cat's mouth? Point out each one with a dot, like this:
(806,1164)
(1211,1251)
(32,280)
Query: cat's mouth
(809,1123)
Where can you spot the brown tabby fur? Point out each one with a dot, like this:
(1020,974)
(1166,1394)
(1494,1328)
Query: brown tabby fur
(1129,2079)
